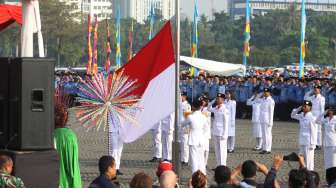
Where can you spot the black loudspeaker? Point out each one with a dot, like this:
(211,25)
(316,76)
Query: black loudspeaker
(30,107)
(4,75)
(37,169)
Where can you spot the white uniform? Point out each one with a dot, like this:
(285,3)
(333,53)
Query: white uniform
(156,140)
(197,123)
(256,126)
(167,136)
(307,137)
(329,141)
(116,144)
(183,133)
(231,106)
(207,134)
(220,126)
(318,102)
(266,121)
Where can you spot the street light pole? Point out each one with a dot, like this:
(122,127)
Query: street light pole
(176,146)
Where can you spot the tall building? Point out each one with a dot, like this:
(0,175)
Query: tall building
(140,9)
(205,7)
(261,7)
(101,8)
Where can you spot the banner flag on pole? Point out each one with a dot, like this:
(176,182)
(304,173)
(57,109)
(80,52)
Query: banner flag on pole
(89,64)
(247,35)
(194,47)
(302,41)
(130,41)
(108,49)
(152,19)
(118,51)
(95,48)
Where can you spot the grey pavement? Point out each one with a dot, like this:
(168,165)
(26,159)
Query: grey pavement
(136,155)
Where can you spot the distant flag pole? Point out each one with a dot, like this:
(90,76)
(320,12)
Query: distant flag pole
(152,20)
(95,48)
(89,64)
(108,49)
(194,47)
(303,33)
(118,52)
(247,35)
(130,41)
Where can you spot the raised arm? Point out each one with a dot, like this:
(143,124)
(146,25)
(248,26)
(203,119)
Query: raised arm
(295,115)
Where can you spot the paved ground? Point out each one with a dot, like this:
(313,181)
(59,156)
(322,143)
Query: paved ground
(135,156)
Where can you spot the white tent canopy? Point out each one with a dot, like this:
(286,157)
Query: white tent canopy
(215,67)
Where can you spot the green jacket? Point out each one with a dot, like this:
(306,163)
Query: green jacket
(9,181)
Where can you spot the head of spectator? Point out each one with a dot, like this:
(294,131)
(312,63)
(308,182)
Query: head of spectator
(220,98)
(228,95)
(222,175)
(201,77)
(316,179)
(249,169)
(164,166)
(216,79)
(6,164)
(331,176)
(317,89)
(297,179)
(107,167)
(198,180)
(141,180)
(168,179)
(61,116)
(306,107)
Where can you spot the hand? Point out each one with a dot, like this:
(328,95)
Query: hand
(300,108)
(301,161)
(262,168)
(277,163)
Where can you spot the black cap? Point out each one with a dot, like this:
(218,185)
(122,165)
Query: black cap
(204,97)
(317,86)
(267,89)
(221,95)
(184,94)
(309,103)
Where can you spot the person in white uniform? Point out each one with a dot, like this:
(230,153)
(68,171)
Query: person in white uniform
(230,104)
(167,136)
(220,129)
(254,101)
(196,122)
(318,102)
(266,120)
(156,142)
(116,145)
(329,124)
(207,131)
(184,131)
(308,132)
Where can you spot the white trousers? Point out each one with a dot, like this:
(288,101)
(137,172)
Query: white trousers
(184,148)
(319,134)
(231,142)
(266,137)
(206,150)
(259,142)
(116,147)
(308,153)
(197,159)
(220,146)
(167,142)
(157,145)
(329,157)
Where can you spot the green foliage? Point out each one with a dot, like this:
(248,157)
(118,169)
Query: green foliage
(275,37)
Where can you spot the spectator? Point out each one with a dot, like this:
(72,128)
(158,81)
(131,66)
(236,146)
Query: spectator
(107,169)
(141,180)
(331,177)
(168,179)
(316,179)
(6,179)
(249,171)
(198,180)
(222,177)
(297,179)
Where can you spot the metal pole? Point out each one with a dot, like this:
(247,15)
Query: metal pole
(176,148)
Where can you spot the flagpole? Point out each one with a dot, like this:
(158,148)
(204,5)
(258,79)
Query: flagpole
(176,150)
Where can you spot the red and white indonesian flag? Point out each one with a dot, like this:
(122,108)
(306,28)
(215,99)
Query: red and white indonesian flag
(154,69)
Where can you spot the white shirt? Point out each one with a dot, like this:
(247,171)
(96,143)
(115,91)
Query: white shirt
(267,110)
(329,131)
(197,123)
(207,131)
(318,102)
(308,127)
(167,124)
(220,123)
(255,103)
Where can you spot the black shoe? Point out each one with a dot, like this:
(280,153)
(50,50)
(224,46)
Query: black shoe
(268,152)
(230,151)
(119,173)
(184,164)
(257,149)
(263,152)
(318,148)
(154,160)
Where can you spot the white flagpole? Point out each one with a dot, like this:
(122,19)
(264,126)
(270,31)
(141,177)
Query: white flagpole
(176,159)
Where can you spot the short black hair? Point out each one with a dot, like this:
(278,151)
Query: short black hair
(222,174)
(249,169)
(197,104)
(331,175)
(297,178)
(4,159)
(316,178)
(105,162)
